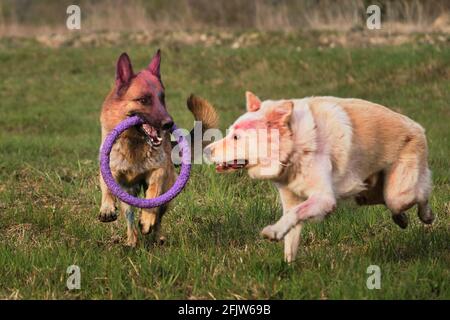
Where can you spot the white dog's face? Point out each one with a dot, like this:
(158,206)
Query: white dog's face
(257,141)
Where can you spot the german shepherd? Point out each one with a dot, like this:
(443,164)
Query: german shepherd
(141,157)
(322,149)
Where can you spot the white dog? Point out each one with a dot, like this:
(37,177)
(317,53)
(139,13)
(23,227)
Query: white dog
(320,149)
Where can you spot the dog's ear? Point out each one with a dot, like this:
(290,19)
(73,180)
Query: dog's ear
(153,67)
(280,114)
(253,103)
(124,71)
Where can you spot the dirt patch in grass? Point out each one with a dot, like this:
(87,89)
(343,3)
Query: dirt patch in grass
(236,40)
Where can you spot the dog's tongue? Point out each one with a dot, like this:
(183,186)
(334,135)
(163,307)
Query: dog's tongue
(153,134)
(149,130)
(221,168)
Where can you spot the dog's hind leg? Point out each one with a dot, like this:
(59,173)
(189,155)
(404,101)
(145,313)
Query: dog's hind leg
(424,211)
(108,211)
(408,183)
(400,190)
(291,241)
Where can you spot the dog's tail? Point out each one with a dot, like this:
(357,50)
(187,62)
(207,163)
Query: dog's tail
(203,111)
(206,118)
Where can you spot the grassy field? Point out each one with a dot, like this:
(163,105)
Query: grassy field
(49,196)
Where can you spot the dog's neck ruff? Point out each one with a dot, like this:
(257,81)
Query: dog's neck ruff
(286,167)
(114,187)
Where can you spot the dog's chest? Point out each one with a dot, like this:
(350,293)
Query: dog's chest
(135,157)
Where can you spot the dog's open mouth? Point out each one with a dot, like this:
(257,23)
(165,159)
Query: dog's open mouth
(153,135)
(231,165)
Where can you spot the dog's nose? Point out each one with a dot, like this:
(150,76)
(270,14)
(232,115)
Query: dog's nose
(167,124)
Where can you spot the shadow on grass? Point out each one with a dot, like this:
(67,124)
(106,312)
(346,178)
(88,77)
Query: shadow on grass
(420,243)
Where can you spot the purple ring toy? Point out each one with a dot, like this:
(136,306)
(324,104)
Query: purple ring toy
(128,198)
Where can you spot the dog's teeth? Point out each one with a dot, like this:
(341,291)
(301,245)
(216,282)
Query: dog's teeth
(159,138)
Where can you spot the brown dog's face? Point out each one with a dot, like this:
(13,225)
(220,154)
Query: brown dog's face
(141,95)
(258,140)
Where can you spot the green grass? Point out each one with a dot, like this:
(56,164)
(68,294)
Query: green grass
(49,196)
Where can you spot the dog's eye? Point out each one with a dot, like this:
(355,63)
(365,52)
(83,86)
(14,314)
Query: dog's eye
(146,100)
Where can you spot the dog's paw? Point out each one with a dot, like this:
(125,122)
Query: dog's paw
(132,238)
(426,215)
(161,240)
(148,222)
(401,220)
(145,227)
(108,214)
(271,233)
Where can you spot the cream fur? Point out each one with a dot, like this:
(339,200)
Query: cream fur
(337,148)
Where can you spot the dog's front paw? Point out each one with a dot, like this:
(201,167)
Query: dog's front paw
(272,233)
(148,222)
(107,214)
(132,238)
